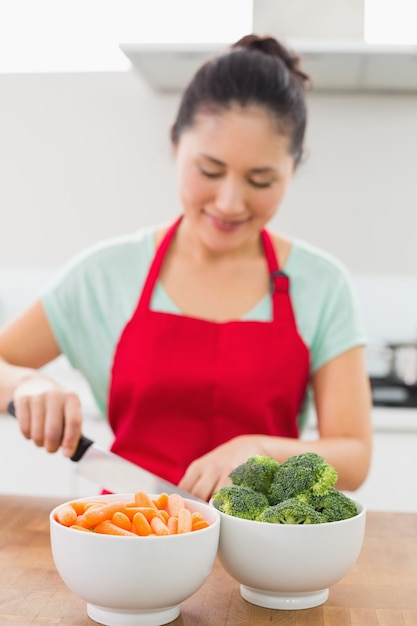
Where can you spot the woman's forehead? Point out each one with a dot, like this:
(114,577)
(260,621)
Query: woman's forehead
(236,129)
(233,114)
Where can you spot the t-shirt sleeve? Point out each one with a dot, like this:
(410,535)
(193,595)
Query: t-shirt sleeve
(90,300)
(340,326)
(326,305)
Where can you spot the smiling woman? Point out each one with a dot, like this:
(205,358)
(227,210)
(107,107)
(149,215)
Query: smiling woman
(202,338)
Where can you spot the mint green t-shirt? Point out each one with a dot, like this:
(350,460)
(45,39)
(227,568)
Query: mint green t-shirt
(91,299)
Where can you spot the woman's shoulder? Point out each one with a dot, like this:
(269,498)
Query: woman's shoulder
(301,257)
(120,259)
(116,253)
(139,242)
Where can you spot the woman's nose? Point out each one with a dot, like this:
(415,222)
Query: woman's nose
(230,197)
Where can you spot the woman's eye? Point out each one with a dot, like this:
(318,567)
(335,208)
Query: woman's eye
(210,174)
(260,185)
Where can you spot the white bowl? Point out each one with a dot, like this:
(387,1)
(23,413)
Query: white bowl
(289,566)
(131,581)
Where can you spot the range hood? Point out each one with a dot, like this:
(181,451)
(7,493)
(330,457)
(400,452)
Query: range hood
(332,66)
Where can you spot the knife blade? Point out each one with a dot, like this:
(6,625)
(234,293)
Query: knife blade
(114,473)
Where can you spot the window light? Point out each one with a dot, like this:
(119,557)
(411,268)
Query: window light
(390,22)
(84,35)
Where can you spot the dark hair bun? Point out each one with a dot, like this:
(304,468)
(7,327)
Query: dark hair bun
(269,45)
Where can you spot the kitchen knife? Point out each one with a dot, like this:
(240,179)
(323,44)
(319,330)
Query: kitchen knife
(113,472)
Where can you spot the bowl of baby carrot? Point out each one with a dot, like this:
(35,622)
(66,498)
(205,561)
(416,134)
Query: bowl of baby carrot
(133,558)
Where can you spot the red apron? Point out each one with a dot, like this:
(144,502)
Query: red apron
(181,386)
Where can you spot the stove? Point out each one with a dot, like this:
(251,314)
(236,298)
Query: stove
(392,392)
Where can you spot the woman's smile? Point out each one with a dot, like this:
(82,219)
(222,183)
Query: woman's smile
(224,224)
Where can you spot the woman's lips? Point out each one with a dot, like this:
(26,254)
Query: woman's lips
(224,225)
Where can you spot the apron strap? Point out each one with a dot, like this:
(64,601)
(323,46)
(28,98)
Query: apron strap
(278,279)
(156,264)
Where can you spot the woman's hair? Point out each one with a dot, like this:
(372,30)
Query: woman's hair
(254,71)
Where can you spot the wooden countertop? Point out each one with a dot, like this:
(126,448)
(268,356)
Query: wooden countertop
(381,589)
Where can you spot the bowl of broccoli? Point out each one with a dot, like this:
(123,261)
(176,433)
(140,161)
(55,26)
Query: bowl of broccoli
(286,533)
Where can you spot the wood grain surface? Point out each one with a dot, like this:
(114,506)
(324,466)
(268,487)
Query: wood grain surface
(380,590)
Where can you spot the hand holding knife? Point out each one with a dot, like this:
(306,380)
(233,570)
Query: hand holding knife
(114,473)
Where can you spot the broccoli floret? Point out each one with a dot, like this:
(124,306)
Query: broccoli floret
(334,505)
(291,511)
(240,501)
(301,473)
(257,473)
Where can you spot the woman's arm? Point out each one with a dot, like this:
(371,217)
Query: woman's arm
(343,406)
(48,414)
(343,402)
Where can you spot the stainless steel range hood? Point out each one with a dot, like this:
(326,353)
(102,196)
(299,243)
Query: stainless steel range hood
(333,66)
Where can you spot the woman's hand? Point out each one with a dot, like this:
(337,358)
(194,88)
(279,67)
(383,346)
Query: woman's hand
(210,472)
(47,414)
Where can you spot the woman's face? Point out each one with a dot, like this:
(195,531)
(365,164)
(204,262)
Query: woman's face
(233,171)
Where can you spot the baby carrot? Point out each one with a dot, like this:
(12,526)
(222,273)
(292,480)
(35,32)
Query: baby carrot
(142,499)
(79,507)
(106,527)
(77,527)
(158,526)
(199,525)
(164,515)
(184,521)
(89,505)
(161,502)
(172,525)
(131,509)
(175,503)
(196,516)
(121,519)
(148,511)
(140,525)
(95,515)
(66,515)
(198,521)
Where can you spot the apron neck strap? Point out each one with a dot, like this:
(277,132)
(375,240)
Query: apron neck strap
(156,264)
(277,282)
(271,257)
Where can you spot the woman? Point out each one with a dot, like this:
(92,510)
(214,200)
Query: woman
(201,340)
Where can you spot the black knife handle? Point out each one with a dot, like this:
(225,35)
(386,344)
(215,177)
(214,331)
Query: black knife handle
(83,444)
